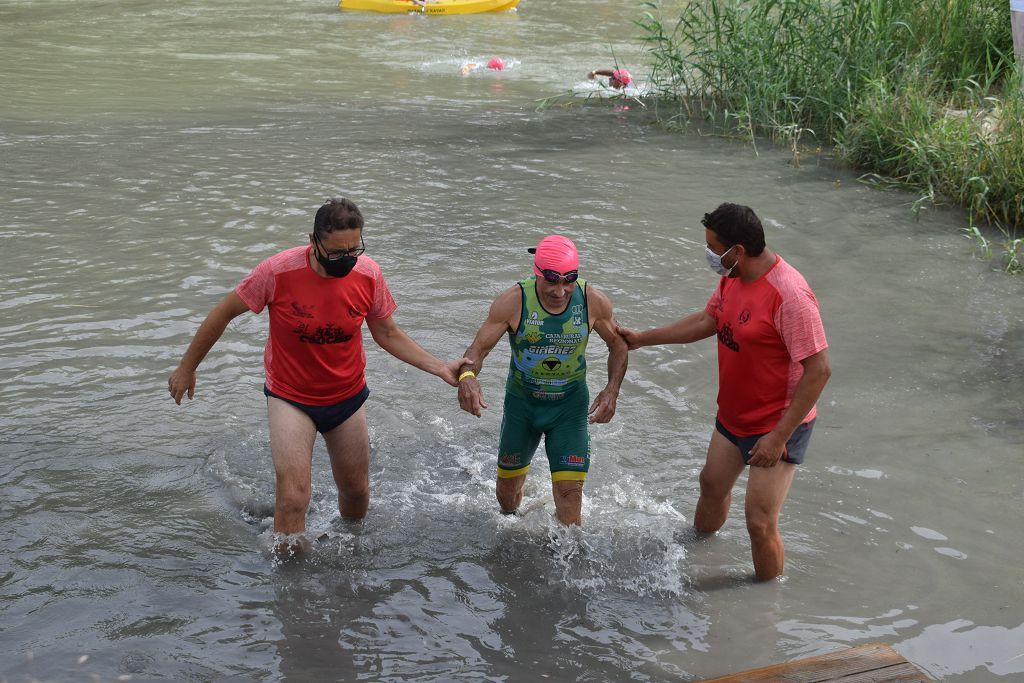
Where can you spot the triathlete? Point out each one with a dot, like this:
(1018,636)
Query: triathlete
(548,317)
(617,78)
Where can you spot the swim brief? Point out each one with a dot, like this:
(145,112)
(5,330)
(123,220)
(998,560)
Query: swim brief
(563,423)
(326,418)
(795,449)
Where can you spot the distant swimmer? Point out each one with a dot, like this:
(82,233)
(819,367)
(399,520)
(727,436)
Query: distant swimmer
(548,318)
(318,296)
(772,367)
(494,64)
(617,78)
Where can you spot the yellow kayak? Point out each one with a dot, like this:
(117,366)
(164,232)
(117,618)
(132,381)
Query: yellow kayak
(429,6)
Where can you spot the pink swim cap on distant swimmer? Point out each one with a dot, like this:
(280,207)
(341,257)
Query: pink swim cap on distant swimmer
(622,76)
(496,63)
(555,253)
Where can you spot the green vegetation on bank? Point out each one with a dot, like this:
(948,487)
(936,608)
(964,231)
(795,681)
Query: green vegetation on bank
(919,93)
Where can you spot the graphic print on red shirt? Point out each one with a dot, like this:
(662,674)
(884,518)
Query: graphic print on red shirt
(314,354)
(765,328)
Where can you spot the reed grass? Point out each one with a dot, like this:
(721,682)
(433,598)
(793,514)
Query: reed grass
(923,94)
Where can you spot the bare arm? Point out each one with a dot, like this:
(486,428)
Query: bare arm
(502,318)
(600,308)
(769,448)
(393,339)
(183,379)
(694,327)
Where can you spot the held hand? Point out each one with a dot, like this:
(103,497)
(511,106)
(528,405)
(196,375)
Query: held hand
(768,450)
(471,396)
(602,410)
(182,380)
(449,371)
(632,337)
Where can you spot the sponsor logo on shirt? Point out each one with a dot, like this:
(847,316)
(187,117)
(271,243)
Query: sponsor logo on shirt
(532,320)
(551,363)
(322,335)
(725,337)
(546,350)
(744,316)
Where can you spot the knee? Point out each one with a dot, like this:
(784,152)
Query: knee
(293,498)
(356,491)
(568,501)
(509,500)
(711,489)
(509,494)
(761,526)
(569,492)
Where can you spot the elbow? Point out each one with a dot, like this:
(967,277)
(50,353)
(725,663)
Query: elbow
(824,373)
(382,339)
(619,349)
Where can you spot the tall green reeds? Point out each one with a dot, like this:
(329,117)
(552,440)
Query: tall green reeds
(923,93)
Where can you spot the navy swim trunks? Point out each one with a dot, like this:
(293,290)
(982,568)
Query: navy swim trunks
(795,450)
(326,418)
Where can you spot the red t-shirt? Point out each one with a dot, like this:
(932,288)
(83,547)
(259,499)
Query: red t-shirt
(314,354)
(765,328)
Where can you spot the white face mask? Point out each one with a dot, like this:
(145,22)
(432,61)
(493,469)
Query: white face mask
(715,261)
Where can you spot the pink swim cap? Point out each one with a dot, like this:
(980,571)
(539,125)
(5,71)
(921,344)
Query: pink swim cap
(496,63)
(555,253)
(622,76)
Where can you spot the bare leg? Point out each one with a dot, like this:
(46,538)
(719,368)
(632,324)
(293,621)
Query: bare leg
(568,501)
(291,445)
(767,489)
(721,470)
(348,444)
(510,493)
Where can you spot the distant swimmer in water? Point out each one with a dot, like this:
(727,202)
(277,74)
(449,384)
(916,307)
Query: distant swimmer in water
(494,64)
(617,78)
(548,318)
(318,297)
(772,366)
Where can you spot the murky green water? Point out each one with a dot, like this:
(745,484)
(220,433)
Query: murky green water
(150,155)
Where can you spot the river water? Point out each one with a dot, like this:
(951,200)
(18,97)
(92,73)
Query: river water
(152,154)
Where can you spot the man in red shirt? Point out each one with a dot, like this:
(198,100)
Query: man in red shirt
(772,366)
(318,296)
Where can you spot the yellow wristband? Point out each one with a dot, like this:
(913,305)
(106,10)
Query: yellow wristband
(467,373)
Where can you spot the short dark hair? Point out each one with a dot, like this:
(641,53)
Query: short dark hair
(736,224)
(337,214)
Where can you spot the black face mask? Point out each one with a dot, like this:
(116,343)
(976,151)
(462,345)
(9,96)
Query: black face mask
(338,267)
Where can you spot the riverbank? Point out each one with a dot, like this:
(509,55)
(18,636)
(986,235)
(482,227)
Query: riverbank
(919,94)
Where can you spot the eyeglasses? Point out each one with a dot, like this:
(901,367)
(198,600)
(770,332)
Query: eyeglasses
(554,276)
(338,255)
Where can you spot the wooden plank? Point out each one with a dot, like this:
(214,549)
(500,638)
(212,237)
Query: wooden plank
(874,663)
(900,673)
